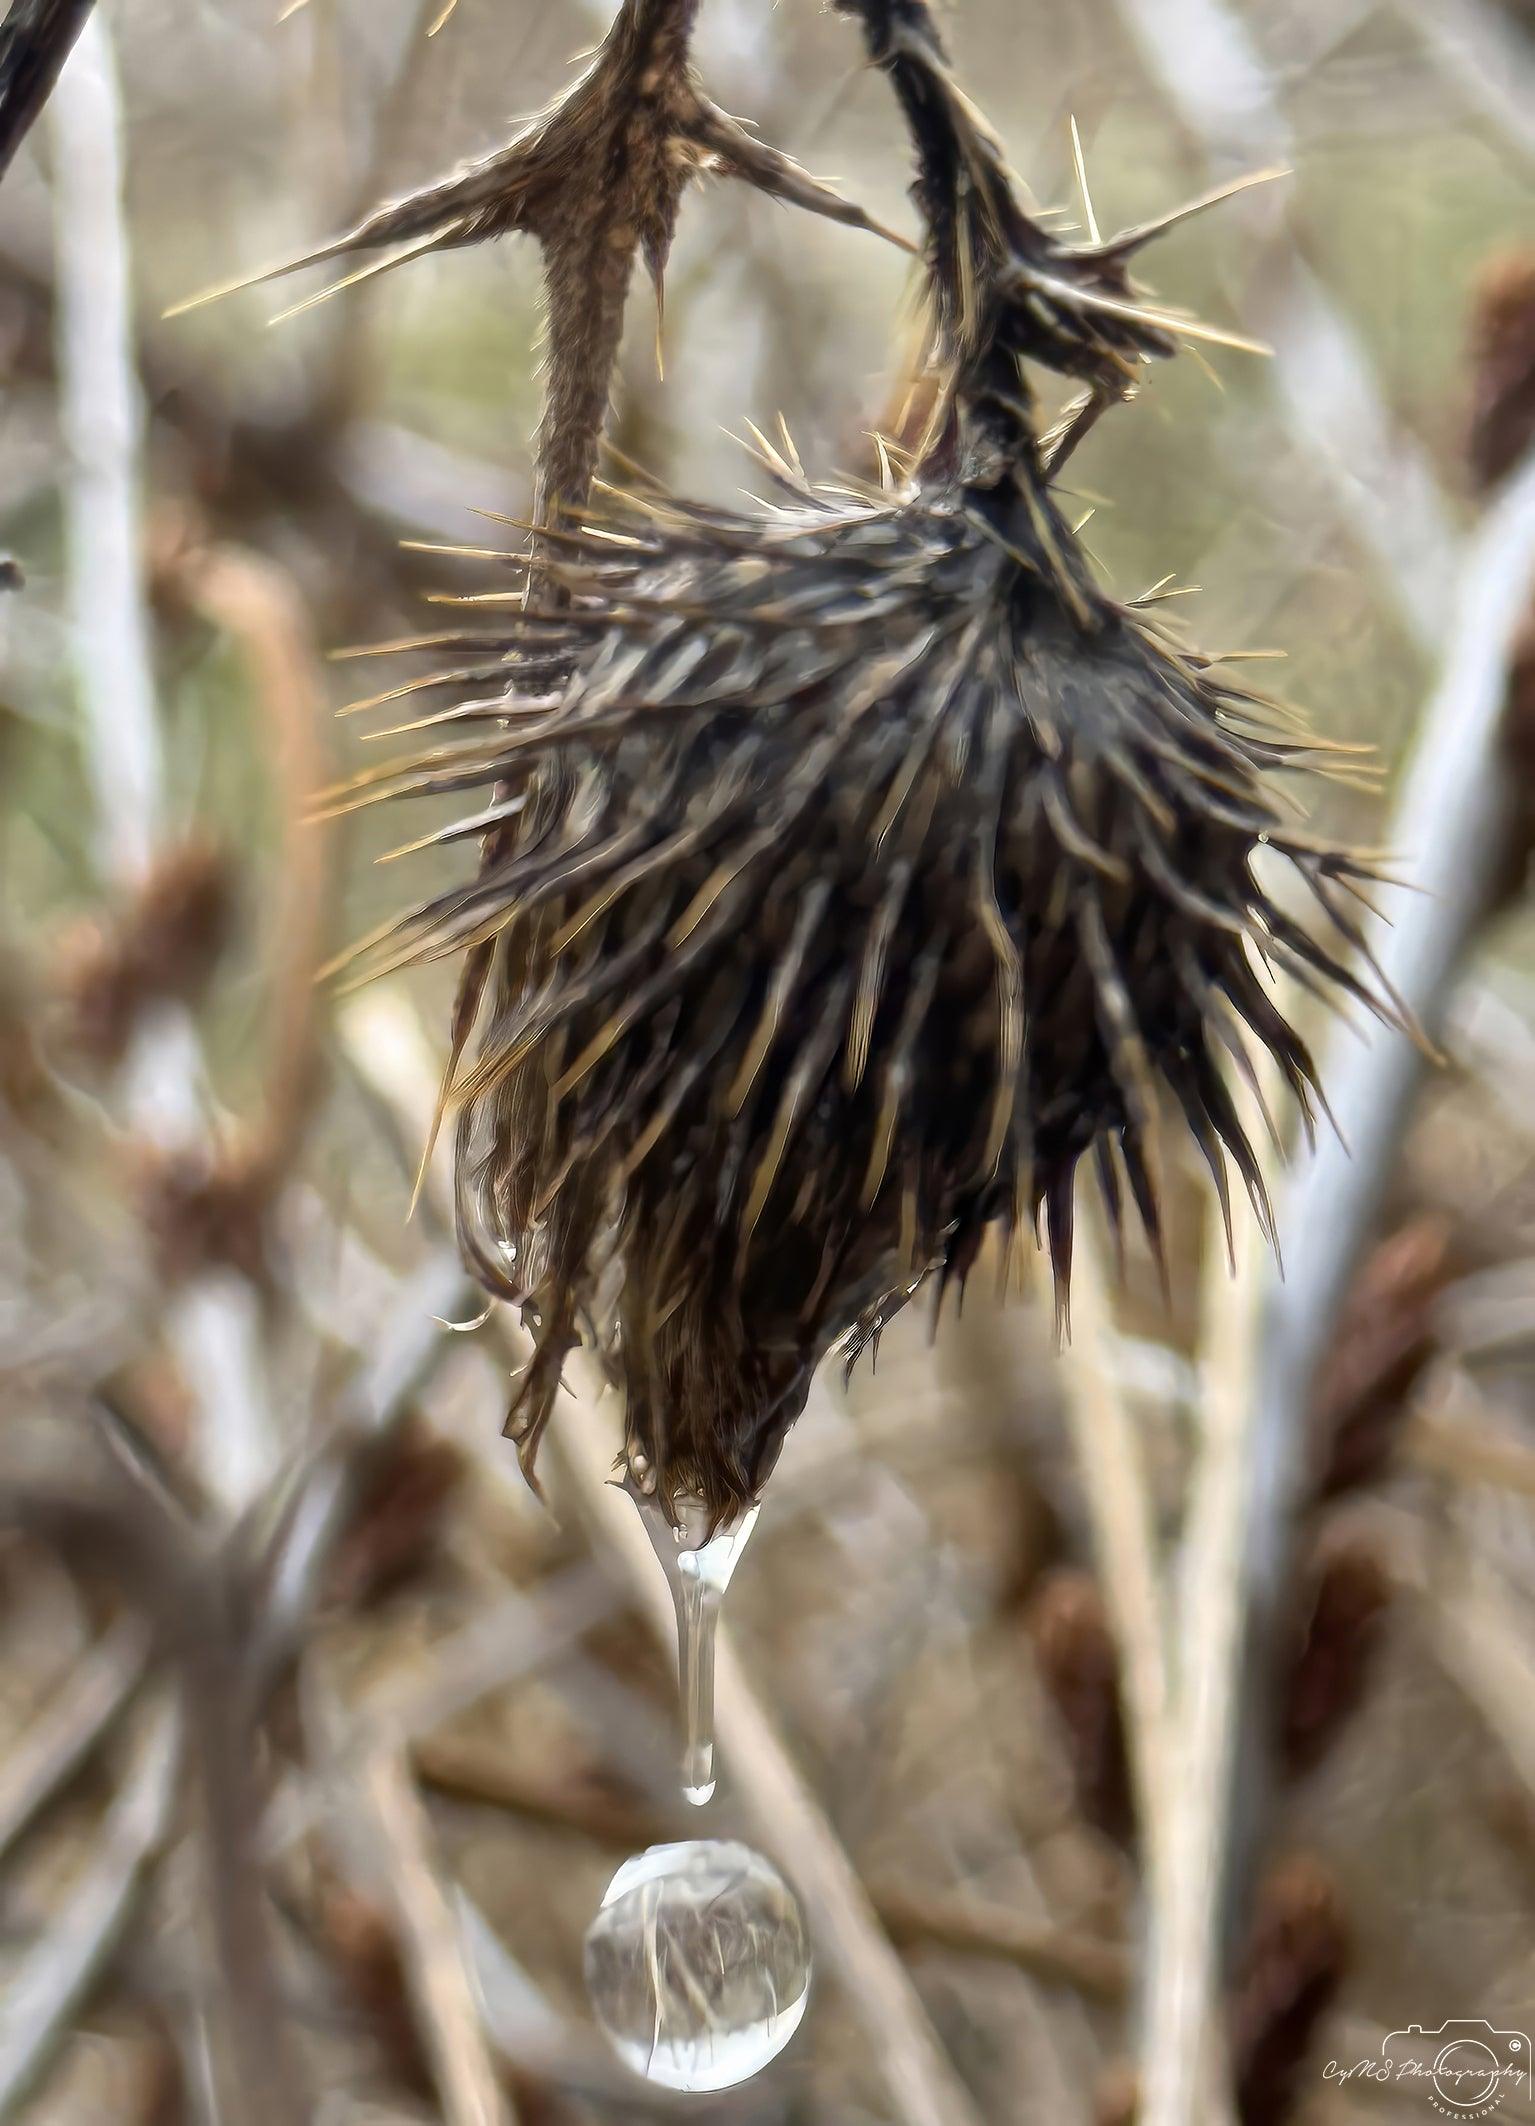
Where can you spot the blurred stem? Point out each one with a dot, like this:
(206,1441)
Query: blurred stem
(258,605)
(251,2053)
(103,422)
(51,1983)
(213,1323)
(1185,2072)
(1117,1486)
(1456,823)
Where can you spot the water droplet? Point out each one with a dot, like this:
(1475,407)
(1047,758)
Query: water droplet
(697,1964)
(698,1567)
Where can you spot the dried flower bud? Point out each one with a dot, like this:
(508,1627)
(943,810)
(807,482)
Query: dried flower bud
(1502,427)
(201,1209)
(1337,1629)
(1079,1667)
(162,945)
(1296,1956)
(1384,1341)
(399,1522)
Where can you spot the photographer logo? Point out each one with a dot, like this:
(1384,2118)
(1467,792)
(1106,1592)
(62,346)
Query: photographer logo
(1465,2069)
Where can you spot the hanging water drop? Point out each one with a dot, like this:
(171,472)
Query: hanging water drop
(697,1964)
(698,1566)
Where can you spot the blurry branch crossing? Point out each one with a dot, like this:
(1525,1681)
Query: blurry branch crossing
(1202,59)
(1473,46)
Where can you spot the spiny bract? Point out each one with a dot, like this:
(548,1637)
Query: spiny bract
(854,870)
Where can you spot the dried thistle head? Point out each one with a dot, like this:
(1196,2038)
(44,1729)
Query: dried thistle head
(163,944)
(854,870)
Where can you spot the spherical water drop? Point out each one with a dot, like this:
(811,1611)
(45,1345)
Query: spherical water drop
(697,1964)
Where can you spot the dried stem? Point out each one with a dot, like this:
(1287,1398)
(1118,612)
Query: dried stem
(1118,1489)
(389,1842)
(252,2055)
(1454,823)
(65,1734)
(1184,2068)
(213,1322)
(970,1927)
(597,182)
(257,603)
(52,1983)
(102,417)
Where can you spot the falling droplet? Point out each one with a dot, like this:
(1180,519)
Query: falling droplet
(697,1964)
(698,1567)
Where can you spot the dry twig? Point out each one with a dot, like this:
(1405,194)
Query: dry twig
(390,1841)
(213,1321)
(43,1996)
(68,1730)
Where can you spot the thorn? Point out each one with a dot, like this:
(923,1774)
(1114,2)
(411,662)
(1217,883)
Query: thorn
(374,267)
(655,262)
(789,450)
(1133,239)
(454,1328)
(1080,164)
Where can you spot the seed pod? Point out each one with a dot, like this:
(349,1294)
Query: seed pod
(858,868)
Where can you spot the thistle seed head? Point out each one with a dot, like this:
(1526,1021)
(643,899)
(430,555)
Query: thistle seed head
(856,869)
(873,869)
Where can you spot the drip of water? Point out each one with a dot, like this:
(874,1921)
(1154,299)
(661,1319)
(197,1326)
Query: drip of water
(698,1567)
(697,1964)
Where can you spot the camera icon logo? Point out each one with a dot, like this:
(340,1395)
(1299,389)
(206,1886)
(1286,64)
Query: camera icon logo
(1469,2067)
